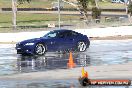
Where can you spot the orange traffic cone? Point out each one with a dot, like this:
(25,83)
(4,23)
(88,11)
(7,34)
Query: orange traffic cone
(71,63)
(84,73)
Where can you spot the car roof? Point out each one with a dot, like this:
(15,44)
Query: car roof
(62,30)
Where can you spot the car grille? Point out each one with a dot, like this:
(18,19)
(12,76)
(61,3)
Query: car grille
(19,51)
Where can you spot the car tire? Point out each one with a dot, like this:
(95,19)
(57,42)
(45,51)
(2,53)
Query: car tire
(40,49)
(81,46)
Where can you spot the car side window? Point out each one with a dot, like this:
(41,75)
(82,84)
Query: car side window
(67,34)
(61,35)
(52,35)
(74,34)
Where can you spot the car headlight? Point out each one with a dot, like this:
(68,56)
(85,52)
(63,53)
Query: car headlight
(28,44)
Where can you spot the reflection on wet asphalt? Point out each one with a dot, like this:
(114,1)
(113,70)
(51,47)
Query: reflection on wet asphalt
(40,84)
(50,84)
(101,52)
(42,63)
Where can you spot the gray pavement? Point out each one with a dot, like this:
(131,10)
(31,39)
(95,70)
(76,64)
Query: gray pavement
(104,59)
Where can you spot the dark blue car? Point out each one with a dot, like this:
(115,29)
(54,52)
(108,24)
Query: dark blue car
(57,40)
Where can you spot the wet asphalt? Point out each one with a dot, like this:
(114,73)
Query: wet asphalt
(100,52)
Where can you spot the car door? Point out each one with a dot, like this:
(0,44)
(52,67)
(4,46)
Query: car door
(52,41)
(58,43)
(63,41)
(52,44)
(71,39)
(67,40)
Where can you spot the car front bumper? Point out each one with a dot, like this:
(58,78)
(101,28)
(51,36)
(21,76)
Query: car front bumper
(25,50)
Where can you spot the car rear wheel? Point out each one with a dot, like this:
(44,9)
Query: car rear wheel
(40,49)
(81,46)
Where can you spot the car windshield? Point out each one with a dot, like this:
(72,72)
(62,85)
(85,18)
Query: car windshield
(51,34)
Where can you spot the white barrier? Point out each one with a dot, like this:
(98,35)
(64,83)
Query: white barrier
(95,32)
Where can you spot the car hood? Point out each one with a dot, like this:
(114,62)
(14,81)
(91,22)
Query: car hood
(34,40)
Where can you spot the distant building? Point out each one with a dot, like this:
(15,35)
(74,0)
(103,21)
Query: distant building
(115,1)
(119,1)
(55,5)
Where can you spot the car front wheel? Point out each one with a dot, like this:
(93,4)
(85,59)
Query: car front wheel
(40,49)
(81,46)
